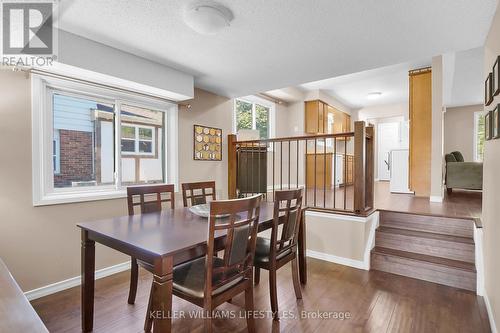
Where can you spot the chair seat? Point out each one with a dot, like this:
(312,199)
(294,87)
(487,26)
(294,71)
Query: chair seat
(263,248)
(189,278)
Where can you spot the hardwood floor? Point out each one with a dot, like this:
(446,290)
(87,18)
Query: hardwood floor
(376,302)
(458,204)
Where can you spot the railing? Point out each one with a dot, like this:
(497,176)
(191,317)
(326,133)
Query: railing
(335,170)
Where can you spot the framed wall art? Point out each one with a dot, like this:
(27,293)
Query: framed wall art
(207,143)
(494,123)
(487,126)
(496,78)
(488,90)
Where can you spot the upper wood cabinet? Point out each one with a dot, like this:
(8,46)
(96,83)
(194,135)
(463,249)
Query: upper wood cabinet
(321,118)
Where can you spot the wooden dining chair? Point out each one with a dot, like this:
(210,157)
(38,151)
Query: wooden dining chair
(211,281)
(196,193)
(274,253)
(148,198)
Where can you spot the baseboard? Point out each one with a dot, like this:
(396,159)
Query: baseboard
(338,260)
(73,282)
(435,198)
(493,326)
(479,260)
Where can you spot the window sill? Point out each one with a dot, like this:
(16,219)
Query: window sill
(66,198)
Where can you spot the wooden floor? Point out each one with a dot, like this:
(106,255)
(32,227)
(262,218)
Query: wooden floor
(376,302)
(458,204)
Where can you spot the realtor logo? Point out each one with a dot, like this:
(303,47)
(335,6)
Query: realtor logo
(27,28)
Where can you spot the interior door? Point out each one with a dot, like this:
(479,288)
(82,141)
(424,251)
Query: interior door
(388,139)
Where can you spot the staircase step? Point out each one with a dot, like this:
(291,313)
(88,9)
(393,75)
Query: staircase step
(432,244)
(428,223)
(453,273)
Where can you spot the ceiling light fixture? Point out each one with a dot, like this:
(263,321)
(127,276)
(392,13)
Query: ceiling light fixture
(207,17)
(374,95)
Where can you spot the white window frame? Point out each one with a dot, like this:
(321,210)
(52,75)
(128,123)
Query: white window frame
(42,88)
(137,139)
(477,114)
(57,153)
(265,103)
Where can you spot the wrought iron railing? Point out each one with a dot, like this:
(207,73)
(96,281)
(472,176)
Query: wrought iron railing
(335,170)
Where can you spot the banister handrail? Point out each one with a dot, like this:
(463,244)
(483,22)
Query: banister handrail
(302,137)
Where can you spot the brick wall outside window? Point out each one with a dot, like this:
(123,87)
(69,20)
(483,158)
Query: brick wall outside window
(75,158)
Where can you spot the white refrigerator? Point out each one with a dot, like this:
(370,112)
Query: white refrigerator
(399,159)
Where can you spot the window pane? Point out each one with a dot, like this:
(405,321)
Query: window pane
(262,120)
(128,146)
(128,132)
(85,158)
(145,133)
(146,165)
(243,115)
(145,146)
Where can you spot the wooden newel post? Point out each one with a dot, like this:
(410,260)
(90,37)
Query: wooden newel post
(370,165)
(231,166)
(359,166)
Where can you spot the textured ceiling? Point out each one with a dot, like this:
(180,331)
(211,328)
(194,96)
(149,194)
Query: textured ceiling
(279,43)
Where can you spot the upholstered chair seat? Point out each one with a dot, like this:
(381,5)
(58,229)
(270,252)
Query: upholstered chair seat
(189,278)
(263,249)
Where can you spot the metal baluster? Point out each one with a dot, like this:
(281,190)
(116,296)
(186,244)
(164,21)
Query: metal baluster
(305,174)
(345,171)
(315,160)
(297,184)
(289,162)
(334,171)
(324,172)
(281,165)
(273,169)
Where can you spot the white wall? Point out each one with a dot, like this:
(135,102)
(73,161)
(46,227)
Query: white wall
(459,130)
(118,68)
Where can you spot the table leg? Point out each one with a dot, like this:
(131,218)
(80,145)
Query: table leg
(88,272)
(162,295)
(302,249)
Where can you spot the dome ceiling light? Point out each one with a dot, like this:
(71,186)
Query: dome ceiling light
(207,17)
(374,95)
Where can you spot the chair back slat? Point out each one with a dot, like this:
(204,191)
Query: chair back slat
(241,235)
(287,206)
(149,198)
(196,193)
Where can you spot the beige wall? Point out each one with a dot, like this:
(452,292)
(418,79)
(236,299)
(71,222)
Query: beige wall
(459,130)
(491,186)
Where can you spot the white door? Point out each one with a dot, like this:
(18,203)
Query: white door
(388,139)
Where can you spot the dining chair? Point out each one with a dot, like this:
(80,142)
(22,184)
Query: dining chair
(196,193)
(211,281)
(148,198)
(274,253)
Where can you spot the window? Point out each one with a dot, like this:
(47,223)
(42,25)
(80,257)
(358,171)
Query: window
(101,142)
(254,113)
(137,140)
(478,136)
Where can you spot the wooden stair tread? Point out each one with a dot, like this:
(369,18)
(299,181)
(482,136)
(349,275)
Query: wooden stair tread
(425,234)
(462,265)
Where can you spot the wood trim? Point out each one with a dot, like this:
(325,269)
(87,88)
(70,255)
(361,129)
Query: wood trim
(359,166)
(232,166)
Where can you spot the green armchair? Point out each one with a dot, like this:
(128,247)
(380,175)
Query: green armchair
(462,175)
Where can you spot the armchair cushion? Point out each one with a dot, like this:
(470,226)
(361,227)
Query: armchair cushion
(458,156)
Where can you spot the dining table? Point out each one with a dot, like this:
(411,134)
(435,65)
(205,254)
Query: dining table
(162,239)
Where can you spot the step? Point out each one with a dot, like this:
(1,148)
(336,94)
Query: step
(432,244)
(428,223)
(453,273)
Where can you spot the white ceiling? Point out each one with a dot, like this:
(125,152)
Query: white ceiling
(353,89)
(462,82)
(279,43)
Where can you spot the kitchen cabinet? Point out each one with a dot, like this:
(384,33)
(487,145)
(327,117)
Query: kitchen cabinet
(322,118)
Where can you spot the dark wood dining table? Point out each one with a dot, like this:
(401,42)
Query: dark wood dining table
(162,240)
